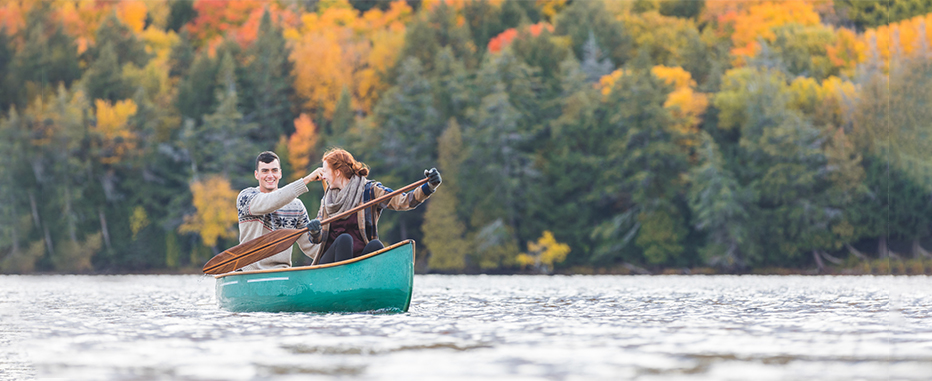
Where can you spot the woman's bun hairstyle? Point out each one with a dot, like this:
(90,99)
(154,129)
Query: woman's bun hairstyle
(341,160)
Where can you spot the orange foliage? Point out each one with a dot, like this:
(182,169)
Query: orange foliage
(133,14)
(903,36)
(239,18)
(684,103)
(759,20)
(215,202)
(497,43)
(301,145)
(118,139)
(340,48)
(13,16)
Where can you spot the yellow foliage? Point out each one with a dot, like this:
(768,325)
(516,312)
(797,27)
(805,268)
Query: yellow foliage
(112,125)
(550,8)
(545,252)
(138,220)
(903,36)
(760,20)
(337,47)
(301,145)
(608,81)
(133,14)
(683,102)
(215,202)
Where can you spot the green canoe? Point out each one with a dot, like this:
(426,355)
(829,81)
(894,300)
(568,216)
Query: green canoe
(381,282)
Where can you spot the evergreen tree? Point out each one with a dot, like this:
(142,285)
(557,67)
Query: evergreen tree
(7,93)
(343,121)
(104,79)
(584,17)
(182,56)
(444,232)
(197,90)
(594,64)
(268,92)
(644,167)
(122,40)
(217,146)
(408,122)
(682,8)
(180,13)
(48,57)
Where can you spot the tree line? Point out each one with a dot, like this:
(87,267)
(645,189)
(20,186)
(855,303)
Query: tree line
(572,135)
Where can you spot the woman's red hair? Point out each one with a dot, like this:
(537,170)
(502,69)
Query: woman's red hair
(340,160)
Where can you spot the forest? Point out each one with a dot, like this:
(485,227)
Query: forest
(647,136)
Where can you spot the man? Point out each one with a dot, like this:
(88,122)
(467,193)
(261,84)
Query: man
(267,207)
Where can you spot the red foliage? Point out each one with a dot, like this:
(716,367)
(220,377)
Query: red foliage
(497,43)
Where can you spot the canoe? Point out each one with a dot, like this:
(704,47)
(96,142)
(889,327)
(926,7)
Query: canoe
(381,281)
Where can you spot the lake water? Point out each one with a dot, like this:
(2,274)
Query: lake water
(478,327)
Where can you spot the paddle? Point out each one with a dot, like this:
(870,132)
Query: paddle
(280,240)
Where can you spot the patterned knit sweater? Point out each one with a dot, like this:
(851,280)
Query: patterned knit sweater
(260,213)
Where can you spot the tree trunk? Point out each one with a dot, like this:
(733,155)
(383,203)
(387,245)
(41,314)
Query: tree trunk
(35,210)
(103,227)
(13,232)
(830,258)
(818,261)
(855,252)
(882,251)
(48,241)
(69,215)
(918,251)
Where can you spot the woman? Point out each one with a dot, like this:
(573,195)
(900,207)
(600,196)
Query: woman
(357,234)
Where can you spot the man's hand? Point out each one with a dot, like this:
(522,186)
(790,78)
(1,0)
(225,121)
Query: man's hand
(313,229)
(314,176)
(433,178)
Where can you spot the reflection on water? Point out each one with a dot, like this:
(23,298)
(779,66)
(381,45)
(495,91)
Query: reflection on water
(465,327)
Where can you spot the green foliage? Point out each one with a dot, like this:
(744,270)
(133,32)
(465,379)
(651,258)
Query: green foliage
(267,91)
(681,8)
(584,17)
(444,232)
(197,90)
(180,13)
(104,79)
(121,40)
(873,13)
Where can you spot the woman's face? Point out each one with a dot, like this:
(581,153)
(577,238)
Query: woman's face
(332,176)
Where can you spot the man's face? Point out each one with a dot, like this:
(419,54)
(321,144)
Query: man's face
(268,175)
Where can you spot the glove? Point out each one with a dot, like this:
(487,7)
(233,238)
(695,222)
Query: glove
(433,178)
(313,229)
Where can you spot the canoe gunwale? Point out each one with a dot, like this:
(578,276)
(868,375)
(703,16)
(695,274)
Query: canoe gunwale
(314,267)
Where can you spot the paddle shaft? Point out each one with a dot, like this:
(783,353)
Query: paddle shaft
(266,246)
(373,202)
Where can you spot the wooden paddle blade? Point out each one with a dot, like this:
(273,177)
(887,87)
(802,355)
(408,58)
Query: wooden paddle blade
(253,251)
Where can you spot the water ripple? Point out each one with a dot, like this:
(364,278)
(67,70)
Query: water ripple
(467,327)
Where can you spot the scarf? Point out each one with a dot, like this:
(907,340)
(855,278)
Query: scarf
(337,201)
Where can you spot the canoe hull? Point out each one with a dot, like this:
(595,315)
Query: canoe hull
(380,282)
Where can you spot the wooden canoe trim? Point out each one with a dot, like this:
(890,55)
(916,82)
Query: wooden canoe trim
(298,268)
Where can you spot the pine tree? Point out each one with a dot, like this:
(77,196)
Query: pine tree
(408,122)
(594,64)
(584,17)
(122,40)
(182,56)
(443,231)
(197,90)
(267,86)
(104,79)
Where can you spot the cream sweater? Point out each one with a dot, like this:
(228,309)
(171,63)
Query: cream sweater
(260,213)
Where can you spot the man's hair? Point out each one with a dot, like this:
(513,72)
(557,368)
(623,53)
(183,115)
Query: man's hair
(266,157)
